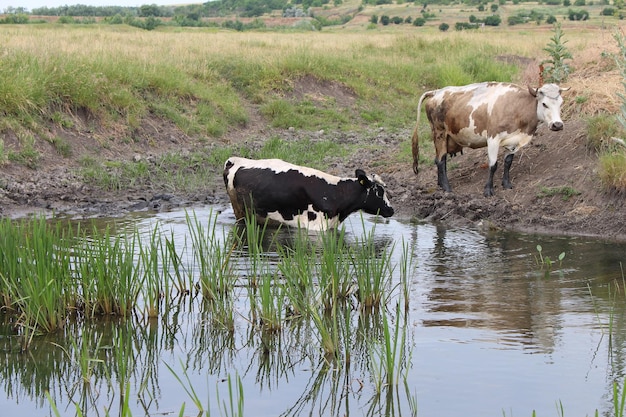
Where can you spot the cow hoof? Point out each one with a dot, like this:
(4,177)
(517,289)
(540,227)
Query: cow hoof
(488,192)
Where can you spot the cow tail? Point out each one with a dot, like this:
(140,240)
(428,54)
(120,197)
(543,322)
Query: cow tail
(415,145)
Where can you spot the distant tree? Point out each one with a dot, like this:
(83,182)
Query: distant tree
(577,14)
(149,10)
(408,20)
(551,19)
(374,19)
(494,8)
(114,20)
(609,11)
(384,20)
(493,20)
(396,20)
(444,27)
(515,20)
(465,26)
(420,21)
(481,8)
(579,3)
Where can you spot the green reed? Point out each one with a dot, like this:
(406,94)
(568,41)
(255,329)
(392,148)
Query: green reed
(108,272)
(212,257)
(328,332)
(154,277)
(406,263)
(260,274)
(333,268)
(298,272)
(233,408)
(271,301)
(372,268)
(35,277)
(389,358)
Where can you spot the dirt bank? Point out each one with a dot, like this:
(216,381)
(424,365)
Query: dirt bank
(553,161)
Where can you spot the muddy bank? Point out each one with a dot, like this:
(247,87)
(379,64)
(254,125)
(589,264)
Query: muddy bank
(553,161)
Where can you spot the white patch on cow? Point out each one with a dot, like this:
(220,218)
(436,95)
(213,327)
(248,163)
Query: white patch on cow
(320,223)
(468,137)
(514,141)
(277,166)
(549,105)
(483,94)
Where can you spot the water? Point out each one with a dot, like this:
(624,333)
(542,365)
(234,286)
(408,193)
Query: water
(489,331)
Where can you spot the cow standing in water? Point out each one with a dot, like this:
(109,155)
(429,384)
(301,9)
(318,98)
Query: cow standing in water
(283,193)
(490,114)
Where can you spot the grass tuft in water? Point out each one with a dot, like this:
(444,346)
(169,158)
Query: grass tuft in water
(333,270)
(212,257)
(372,268)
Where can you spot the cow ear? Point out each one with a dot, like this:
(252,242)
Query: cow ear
(362,177)
(533,91)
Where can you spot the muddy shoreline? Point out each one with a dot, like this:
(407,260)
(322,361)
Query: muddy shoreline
(551,162)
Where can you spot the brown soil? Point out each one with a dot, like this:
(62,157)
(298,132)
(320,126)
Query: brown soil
(553,160)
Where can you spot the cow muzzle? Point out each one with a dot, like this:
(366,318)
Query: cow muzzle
(556,126)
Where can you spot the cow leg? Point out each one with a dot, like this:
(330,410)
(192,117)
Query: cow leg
(442,174)
(489,185)
(492,152)
(441,157)
(506,182)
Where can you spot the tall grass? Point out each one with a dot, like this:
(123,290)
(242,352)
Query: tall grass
(305,291)
(372,268)
(202,80)
(211,257)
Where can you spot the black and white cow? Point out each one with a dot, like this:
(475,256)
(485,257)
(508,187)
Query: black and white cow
(488,114)
(283,193)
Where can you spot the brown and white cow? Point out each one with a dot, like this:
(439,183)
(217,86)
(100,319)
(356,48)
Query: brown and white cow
(283,193)
(490,114)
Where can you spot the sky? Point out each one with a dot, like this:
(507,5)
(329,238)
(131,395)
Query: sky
(33,4)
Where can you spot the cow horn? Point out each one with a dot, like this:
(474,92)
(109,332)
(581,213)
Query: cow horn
(561,89)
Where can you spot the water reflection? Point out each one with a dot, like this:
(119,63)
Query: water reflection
(489,328)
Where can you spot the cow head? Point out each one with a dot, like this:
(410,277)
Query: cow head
(376,201)
(549,102)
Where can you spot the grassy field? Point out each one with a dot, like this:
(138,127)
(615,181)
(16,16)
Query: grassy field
(104,81)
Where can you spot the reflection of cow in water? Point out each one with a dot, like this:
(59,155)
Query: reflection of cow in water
(486,114)
(298,196)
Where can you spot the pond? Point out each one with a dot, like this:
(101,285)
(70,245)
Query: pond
(476,323)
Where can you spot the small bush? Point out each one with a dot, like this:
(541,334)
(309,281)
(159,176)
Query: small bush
(465,26)
(555,69)
(566,192)
(493,20)
(516,20)
(600,129)
(420,21)
(577,14)
(444,27)
(609,11)
(613,170)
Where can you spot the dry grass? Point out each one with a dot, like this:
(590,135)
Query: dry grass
(594,81)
